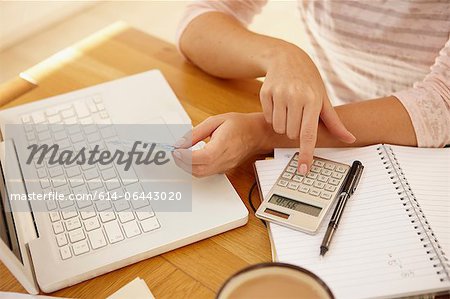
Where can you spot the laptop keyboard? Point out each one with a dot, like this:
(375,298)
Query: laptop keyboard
(81,226)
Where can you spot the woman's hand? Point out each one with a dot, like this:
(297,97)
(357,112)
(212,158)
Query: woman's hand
(293,97)
(234,137)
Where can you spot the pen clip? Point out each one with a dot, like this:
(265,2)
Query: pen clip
(358,175)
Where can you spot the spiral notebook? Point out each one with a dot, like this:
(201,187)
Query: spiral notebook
(394,238)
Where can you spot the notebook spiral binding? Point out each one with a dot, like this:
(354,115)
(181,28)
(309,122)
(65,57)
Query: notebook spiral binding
(415,213)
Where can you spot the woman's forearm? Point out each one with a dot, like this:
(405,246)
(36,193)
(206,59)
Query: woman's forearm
(221,46)
(383,120)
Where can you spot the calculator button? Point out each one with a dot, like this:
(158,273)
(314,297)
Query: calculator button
(287,175)
(291,169)
(326,172)
(340,169)
(322,178)
(318,184)
(318,163)
(314,192)
(326,195)
(333,182)
(307,181)
(282,183)
(297,178)
(330,188)
(304,189)
(296,157)
(293,185)
(329,166)
(315,169)
(337,175)
(311,175)
(294,163)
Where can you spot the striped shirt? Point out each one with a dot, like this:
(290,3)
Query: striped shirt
(371,49)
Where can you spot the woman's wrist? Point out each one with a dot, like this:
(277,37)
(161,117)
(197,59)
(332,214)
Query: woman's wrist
(277,51)
(266,138)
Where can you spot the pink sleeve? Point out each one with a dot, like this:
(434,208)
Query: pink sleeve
(242,10)
(428,103)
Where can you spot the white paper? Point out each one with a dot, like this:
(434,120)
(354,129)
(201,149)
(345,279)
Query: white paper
(136,289)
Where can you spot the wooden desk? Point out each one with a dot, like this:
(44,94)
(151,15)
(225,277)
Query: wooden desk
(194,271)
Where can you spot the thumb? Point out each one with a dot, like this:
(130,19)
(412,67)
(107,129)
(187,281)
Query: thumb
(199,132)
(333,123)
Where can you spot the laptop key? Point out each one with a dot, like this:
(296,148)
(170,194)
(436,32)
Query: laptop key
(26,118)
(59,181)
(86,121)
(81,109)
(80,247)
(69,214)
(141,215)
(72,171)
(97,239)
(91,174)
(82,203)
(76,235)
(65,252)
(91,138)
(91,105)
(121,205)
(125,216)
(61,240)
(94,184)
(41,173)
(150,224)
(51,205)
(54,119)
(75,138)
(70,121)
(76,181)
(89,129)
(45,183)
(44,136)
(31,137)
(108,174)
(73,223)
(107,216)
(103,205)
(131,229)
(67,113)
(54,216)
(128,176)
(91,224)
(87,214)
(139,203)
(65,203)
(38,117)
(58,227)
(113,232)
(81,191)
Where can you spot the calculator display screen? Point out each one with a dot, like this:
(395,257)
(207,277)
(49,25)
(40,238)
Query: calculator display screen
(295,205)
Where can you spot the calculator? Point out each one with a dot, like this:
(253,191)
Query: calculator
(301,202)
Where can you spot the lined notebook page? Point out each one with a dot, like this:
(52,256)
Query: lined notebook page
(428,173)
(376,251)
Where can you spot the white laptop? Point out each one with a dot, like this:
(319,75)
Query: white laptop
(50,250)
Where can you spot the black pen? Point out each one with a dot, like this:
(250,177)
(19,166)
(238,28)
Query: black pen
(349,188)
